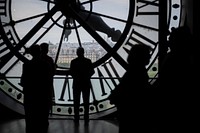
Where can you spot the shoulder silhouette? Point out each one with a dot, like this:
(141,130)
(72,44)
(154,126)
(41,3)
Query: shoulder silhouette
(133,93)
(175,81)
(37,85)
(81,70)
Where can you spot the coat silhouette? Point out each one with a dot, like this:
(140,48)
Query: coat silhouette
(81,70)
(35,79)
(134,94)
(176,81)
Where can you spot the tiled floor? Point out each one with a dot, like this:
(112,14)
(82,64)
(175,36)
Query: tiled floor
(63,126)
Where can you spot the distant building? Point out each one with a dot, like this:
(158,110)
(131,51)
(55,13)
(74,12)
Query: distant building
(67,52)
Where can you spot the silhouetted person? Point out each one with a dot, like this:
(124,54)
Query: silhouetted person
(134,93)
(175,83)
(81,70)
(50,69)
(35,79)
(44,55)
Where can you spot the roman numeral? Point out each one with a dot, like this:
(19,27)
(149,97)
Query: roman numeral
(148,27)
(140,39)
(126,49)
(3,7)
(8,59)
(108,76)
(136,39)
(144,7)
(112,72)
(65,85)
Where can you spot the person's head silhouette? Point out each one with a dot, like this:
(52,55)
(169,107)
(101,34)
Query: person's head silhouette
(139,54)
(80,52)
(44,48)
(179,39)
(34,50)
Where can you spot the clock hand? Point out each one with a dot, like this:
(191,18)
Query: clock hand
(48,1)
(67,31)
(89,29)
(97,23)
(94,20)
(98,38)
(86,2)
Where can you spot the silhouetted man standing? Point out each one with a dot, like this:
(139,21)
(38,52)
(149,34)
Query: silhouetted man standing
(135,106)
(48,82)
(52,67)
(36,81)
(81,71)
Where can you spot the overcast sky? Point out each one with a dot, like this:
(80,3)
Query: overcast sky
(24,8)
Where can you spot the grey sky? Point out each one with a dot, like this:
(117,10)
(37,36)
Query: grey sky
(24,8)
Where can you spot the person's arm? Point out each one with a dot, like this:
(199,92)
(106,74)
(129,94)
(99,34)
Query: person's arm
(23,76)
(91,68)
(71,70)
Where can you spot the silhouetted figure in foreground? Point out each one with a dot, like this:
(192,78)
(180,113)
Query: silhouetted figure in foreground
(45,57)
(175,83)
(81,70)
(134,93)
(35,79)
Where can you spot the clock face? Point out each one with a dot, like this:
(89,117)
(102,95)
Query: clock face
(106,29)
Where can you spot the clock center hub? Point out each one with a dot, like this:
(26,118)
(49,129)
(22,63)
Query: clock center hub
(66,6)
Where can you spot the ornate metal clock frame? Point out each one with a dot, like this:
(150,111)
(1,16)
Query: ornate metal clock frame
(105,28)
